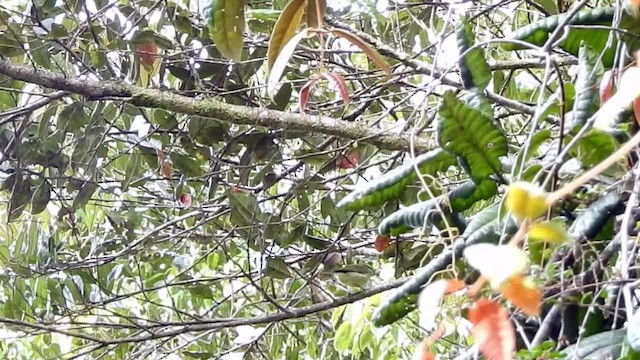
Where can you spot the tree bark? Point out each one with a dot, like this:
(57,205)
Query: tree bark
(208,108)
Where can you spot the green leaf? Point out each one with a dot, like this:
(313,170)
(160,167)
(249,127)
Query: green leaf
(425,213)
(353,279)
(392,184)
(72,117)
(417,215)
(342,337)
(467,194)
(293,236)
(41,198)
(244,208)
(207,131)
(474,70)
(284,30)
(225,19)
(20,197)
(84,195)
(395,311)
(282,97)
(185,164)
(468,133)
(485,217)
(589,223)
(590,69)
(277,268)
(537,33)
(133,167)
(607,344)
(594,147)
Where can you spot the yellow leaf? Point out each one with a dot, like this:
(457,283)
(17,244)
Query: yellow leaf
(497,262)
(372,53)
(526,200)
(548,231)
(523,294)
(285,28)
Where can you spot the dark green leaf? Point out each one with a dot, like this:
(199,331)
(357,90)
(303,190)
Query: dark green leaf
(391,185)
(41,198)
(84,195)
(589,71)
(277,268)
(474,70)
(466,132)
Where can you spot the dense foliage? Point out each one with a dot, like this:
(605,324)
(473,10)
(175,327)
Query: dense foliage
(227,179)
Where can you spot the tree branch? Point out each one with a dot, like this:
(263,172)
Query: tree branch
(153,98)
(220,323)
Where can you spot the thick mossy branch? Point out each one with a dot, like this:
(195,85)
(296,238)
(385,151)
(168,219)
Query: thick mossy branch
(243,115)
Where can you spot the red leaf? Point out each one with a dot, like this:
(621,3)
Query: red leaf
(523,294)
(161,155)
(165,164)
(492,330)
(304,95)
(606,86)
(148,52)
(340,83)
(382,243)
(186,200)
(351,160)
(334,78)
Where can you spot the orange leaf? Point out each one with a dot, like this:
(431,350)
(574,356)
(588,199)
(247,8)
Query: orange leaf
(382,243)
(523,294)
(492,330)
(372,53)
